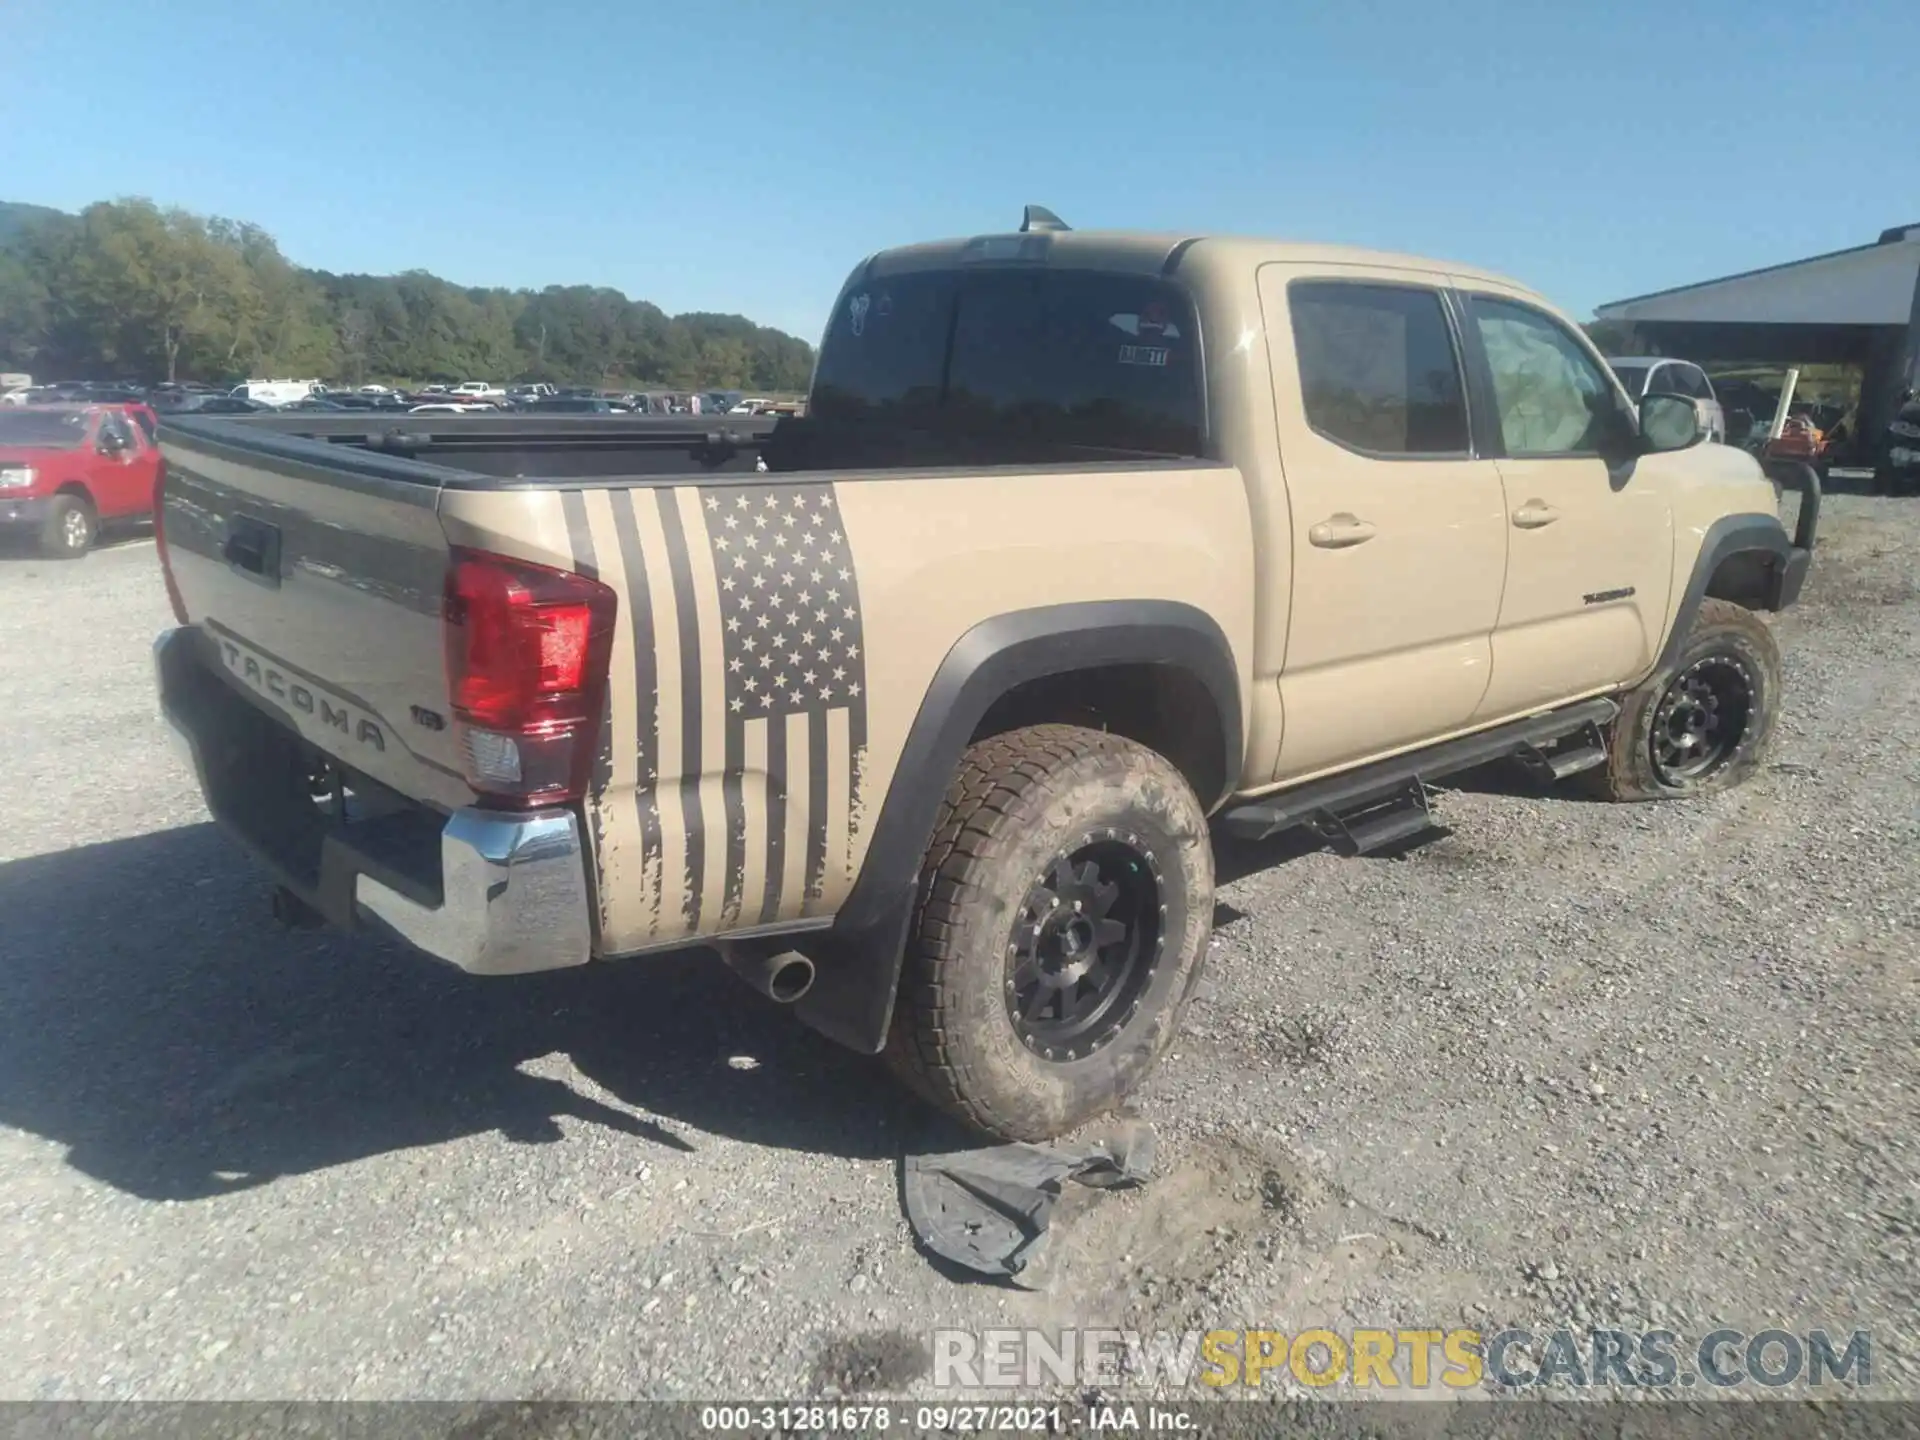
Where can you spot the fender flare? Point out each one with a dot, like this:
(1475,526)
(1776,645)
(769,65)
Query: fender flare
(1728,536)
(858,959)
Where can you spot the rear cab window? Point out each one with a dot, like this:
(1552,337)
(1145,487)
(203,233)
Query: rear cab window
(1026,365)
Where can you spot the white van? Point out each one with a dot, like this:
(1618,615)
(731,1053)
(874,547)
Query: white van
(274,392)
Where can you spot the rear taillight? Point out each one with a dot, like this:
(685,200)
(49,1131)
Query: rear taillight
(527,651)
(160,544)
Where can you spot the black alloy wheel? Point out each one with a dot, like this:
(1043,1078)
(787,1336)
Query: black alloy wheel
(1701,720)
(1083,951)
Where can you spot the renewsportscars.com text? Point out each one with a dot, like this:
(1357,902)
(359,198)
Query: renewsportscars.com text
(1411,1359)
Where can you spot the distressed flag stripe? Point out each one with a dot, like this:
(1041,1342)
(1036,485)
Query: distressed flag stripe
(793,887)
(687,619)
(817,806)
(644,749)
(775,792)
(616,845)
(666,753)
(751,740)
(573,506)
(714,772)
(839,802)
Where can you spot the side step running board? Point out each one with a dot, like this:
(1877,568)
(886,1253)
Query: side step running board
(1395,820)
(1345,806)
(1584,750)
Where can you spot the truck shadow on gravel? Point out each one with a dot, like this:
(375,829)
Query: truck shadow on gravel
(156,1022)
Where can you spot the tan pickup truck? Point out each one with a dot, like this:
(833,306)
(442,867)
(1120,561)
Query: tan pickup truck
(924,709)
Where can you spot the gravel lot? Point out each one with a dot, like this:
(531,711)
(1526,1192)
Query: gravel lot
(1575,1062)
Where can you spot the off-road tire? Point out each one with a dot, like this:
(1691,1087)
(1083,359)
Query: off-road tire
(1018,804)
(63,537)
(1722,632)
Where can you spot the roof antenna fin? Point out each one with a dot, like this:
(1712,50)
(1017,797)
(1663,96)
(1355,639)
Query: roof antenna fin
(1038,217)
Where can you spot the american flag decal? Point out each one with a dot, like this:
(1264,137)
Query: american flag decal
(742,613)
(793,674)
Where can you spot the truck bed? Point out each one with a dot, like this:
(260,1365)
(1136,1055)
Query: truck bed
(479,451)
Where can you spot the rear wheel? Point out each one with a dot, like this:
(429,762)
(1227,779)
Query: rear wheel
(71,528)
(1067,901)
(1702,723)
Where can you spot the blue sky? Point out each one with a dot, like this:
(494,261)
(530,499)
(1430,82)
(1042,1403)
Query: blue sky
(742,156)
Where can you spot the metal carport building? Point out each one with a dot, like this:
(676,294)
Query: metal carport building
(1859,306)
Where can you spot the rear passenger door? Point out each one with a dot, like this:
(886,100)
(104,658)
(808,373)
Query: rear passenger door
(1590,544)
(1398,529)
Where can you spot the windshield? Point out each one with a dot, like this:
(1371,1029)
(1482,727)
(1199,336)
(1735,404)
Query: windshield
(43,429)
(1634,377)
(1011,366)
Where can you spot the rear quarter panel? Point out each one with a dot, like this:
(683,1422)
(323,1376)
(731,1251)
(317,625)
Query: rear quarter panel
(776,637)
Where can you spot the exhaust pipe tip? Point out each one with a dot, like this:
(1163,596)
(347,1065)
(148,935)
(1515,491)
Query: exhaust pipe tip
(783,976)
(791,977)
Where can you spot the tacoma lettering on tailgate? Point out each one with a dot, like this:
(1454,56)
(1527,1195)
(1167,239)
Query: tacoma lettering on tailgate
(299,696)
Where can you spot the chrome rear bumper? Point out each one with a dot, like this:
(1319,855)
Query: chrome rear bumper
(493,892)
(514,895)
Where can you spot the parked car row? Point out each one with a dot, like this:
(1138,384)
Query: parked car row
(466,397)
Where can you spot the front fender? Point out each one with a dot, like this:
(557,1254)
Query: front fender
(1747,558)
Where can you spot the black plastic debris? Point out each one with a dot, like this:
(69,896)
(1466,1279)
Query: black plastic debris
(988,1209)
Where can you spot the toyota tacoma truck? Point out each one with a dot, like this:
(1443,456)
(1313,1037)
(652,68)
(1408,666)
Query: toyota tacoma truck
(924,710)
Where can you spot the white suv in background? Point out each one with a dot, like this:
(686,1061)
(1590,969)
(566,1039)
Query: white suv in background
(1645,375)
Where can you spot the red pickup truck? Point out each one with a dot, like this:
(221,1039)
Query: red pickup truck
(67,470)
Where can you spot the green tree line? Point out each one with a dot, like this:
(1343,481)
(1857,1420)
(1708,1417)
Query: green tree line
(130,290)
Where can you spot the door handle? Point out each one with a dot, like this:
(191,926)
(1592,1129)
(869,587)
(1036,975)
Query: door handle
(1534,514)
(1337,532)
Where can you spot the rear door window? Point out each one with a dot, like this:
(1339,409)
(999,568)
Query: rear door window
(1379,372)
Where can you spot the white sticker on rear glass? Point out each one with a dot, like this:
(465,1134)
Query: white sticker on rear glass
(1152,323)
(1143,355)
(857,313)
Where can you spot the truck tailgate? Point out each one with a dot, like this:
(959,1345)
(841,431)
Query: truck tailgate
(316,574)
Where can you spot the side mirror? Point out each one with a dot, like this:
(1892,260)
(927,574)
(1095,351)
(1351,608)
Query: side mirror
(1670,422)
